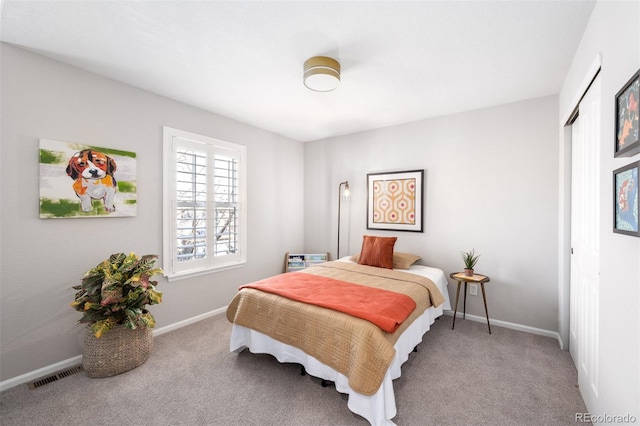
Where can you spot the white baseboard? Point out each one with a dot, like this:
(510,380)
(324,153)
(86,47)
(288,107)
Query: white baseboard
(563,345)
(188,321)
(77,360)
(511,325)
(40,372)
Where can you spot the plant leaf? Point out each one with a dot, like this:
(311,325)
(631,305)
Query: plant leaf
(155,297)
(100,327)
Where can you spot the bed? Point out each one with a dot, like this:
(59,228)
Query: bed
(359,357)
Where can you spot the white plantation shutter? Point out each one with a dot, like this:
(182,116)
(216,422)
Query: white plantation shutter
(204,215)
(225,192)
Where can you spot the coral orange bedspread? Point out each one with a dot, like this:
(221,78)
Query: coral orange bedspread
(386,309)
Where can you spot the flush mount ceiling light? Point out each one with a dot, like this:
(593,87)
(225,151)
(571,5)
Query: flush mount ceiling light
(321,74)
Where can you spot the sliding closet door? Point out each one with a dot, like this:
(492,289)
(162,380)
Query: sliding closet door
(585,241)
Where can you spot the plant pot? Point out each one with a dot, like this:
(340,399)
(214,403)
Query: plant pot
(468,272)
(118,350)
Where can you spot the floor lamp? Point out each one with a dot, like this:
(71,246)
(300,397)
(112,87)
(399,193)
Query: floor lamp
(346,196)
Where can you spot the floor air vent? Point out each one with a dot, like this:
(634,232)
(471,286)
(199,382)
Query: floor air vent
(55,377)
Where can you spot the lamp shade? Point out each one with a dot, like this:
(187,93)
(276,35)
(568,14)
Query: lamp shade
(321,74)
(347,191)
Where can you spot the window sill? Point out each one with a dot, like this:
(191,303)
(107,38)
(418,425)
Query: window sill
(204,271)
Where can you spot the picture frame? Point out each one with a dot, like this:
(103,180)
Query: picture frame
(395,201)
(626,200)
(85,181)
(627,118)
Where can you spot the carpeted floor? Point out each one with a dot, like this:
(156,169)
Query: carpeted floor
(458,377)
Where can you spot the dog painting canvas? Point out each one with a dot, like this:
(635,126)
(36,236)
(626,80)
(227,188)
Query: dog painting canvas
(86,181)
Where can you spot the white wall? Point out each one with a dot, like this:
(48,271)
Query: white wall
(614,33)
(491,183)
(42,259)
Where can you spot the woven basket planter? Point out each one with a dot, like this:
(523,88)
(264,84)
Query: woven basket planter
(117,351)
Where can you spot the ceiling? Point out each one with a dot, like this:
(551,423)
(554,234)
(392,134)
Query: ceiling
(401,61)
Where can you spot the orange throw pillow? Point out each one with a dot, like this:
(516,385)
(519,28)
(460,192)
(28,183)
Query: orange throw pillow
(377,251)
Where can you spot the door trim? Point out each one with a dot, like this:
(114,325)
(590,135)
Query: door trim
(564,194)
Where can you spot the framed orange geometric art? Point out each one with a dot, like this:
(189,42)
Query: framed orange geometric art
(394,201)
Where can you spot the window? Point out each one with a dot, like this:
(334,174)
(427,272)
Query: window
(204,208)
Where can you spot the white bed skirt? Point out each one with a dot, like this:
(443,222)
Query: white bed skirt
(378,408)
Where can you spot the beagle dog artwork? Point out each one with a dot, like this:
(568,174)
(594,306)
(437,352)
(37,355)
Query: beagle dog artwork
(92,172)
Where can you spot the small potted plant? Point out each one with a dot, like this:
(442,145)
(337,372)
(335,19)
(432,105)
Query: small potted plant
(112,298)
(470,258)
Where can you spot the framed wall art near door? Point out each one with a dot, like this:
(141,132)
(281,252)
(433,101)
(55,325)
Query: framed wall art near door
(625,204)
(627,140)
(395,201)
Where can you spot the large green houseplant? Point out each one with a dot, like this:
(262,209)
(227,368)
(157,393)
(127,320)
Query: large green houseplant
(117,291)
